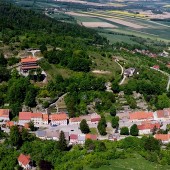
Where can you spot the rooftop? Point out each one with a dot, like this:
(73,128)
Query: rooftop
(28,59)
(140,115)
(4,113)
(59,116)
(148,126)
(24,159)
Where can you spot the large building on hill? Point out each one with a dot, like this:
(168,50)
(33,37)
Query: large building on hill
(28,63)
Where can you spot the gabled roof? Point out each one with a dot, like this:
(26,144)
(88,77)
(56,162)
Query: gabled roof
(95,119)
(4,113)
(148,126)
(28,59)
(24,159)
(25,115)
(140,115)
(162,137)
(10,123)
(59,116)
(29,115)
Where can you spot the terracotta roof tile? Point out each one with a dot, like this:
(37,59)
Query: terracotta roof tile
(28,59)
(24,159)
(59,116)
(4,113)
(163,137)
(148,126)
(140,115)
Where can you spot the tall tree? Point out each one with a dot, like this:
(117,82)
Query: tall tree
(115,121)
(134,130)
(15,137)
(62,142)
(102,126)
(84,127)
(113,111)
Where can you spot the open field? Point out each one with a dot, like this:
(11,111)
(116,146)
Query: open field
(98,24)
(127,24)
(137,163)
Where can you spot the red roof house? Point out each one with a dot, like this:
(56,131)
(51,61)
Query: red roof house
(24,161)
(4,114)
(73,138)
(141,116)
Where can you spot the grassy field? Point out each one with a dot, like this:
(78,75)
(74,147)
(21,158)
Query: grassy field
(137,163)
(93,131)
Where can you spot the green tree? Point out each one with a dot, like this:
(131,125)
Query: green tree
(84,127)
(163,101)
(134,130)
(15,137)
(3,61)
(115,121)
(89,144)
(113,111)
(151,144)
(30,97)
(102,126)
(62,142)
(43,48)
(124,131)
(31,126)
(115,87)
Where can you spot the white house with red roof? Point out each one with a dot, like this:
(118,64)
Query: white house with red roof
(59,119)
(4,114)
(75,121)
(24,161)
(147,128)
(26,117)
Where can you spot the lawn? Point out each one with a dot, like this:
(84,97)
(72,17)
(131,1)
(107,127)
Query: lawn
(138,163)
(93,131)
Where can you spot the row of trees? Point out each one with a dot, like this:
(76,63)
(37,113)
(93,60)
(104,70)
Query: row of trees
(134,131)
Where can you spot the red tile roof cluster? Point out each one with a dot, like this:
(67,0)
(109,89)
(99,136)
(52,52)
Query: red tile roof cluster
(140,115)
(73,137)
(148,126)
(91,136)
(4,113)
(59,116)
(95,119)
(29,115)
(24,159)
(162,137)
(28,59)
